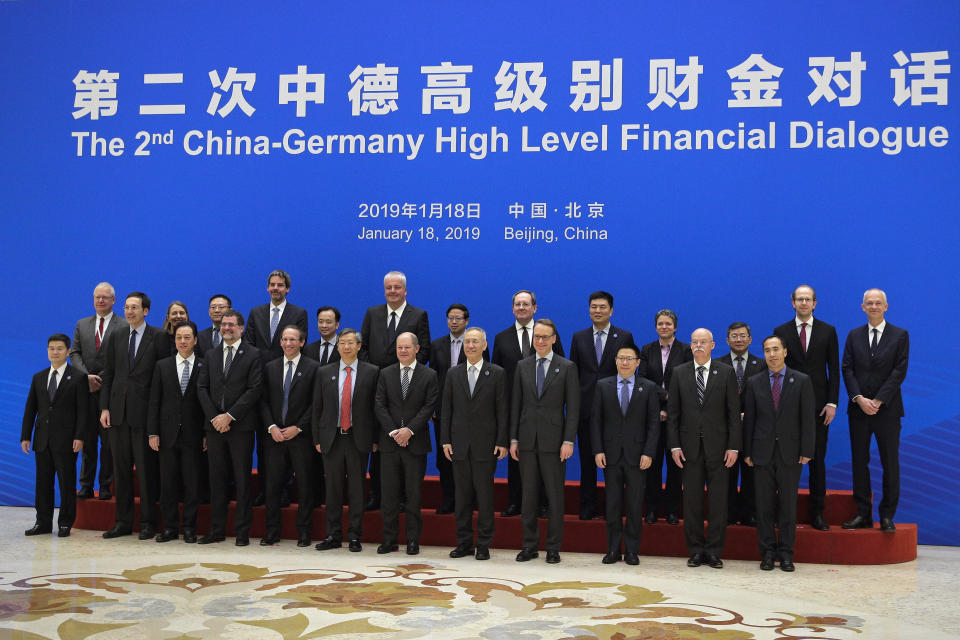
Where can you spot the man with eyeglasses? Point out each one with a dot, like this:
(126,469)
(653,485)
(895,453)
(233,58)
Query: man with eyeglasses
(210,337)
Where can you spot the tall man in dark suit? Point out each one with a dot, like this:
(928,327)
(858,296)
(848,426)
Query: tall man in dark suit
(704,434)
(324,350)
(874,366)
(175,430)
(286,408)
(381,325)
(779,407)
(510,346)
(473,436)
(406,399)
(543,424)
(626,427)
(230,389)
(56,416)
(657,360)
(741,506)
(86,356)
(210,338)
(129,362)
(594,351)
(344,431)
(812,348)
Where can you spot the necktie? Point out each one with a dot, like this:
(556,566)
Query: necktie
(525,343)
(776,390)
(228,361)
(392,327)
(216,337)
(873,343)
(287,379)
(803,336)
(541,374)
(274,321)
(472,378)
(454,351)
(326,352)
(99,334)
(598,345)
(185,377)
(624,395)
(405,382)
(132,350)
(52,387)
(740,373)
(345,398)
(701,384)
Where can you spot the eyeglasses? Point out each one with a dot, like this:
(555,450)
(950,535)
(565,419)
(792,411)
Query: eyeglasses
(456,318)
(541,336)
(738,336)
(626,358)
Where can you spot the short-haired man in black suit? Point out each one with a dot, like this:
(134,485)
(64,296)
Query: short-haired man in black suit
(324,350)
(56,416)
(210,338)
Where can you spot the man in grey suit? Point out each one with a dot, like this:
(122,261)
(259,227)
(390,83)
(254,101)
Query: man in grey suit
(544,412)
(86,356)
(704,435)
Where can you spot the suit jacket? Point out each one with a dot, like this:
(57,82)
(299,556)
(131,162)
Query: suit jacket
(56,424)
(718,420)
(126,391)
(314,351)
(544,423)
(412,412)
(172,413)
(651,364)
(583,353)
(382,351)
(326,405)
(475,424)
(752,365)
(630,436)
(84,356)
(440,362)
(299,399)
(257,332)
(238,393)
(821,361)
(506,352)
(204,341)
(879,376)
(792,424)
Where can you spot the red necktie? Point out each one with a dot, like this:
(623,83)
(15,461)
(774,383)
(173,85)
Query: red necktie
(99,333)
(345,403)
(803,336)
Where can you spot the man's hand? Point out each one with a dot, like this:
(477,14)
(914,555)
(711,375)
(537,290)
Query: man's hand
(514,451)
(94,382)
(221,422)
(204,443)
(25,446)
(678,457)
(402,436)
(500,452)
(663,416)
(645,462)
(291,432)
(729,458)
(566,450)
(318,448)
(154,442)
(448,451)
(77,446)
(105,419)
(275,433)
(601,460)
(828,413)
(749,461)
(376,447)
(867,406)
(803,460)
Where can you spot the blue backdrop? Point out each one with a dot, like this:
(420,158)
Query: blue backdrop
(807,144)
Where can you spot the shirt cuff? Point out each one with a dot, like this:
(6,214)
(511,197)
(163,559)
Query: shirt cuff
(832,404)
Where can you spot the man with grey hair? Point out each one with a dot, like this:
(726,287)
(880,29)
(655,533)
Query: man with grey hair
(86,356)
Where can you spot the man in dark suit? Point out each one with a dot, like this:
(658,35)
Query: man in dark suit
(812,348)
(86,356)
(874,366)
(741,506)
(344,431)
(473,436)
(778,436)
(210,338)
(704,434)
(382,324)
(286,408)
(657,360)
(594,351)
(175,430)
(324,350)
(543,424)
(56,416)
(129,362)
(230,389)
(406,399)
(510,346)
(625,422)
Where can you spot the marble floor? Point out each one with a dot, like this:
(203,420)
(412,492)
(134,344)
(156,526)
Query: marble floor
(86,587)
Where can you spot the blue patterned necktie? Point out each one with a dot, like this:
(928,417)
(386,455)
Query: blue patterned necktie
(541,374)
(185,377)
(405,382)
(624,395)
(598,345)
(701,383)
(274,322)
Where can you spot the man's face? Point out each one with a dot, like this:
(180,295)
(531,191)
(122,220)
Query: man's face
(218,306)
(666,328)
(185,341)
(57,353)
(473,346)
(803,301)
(543,339)
(103,300)
(291,342)
(278,289)
(739,340)
(134,312)
(456,321)
(348,346)
(874,306)
(600,312)
(394,291)
(327,324)
(627,362)
(701,342)
(774,353)
(230,329)
(406,350)
(523,308)
(176,315)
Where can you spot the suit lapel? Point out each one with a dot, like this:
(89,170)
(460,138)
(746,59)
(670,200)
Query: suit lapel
(793,342)
(145,340)
(712,376)
(552,371)
(610,345)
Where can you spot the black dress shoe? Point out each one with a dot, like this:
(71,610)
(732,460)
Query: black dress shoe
(328,543)
(63,532)
(210,538)
(553,557)
(104,494)
(651,517)
(588,513)
(695,560)
(243,540)
(818,523)
(527,554)
(303,540)
(387,547)
(116,532)
(259,500)
(483,553)
(713,560)
(858,522)
(373,504)
(355,546)
(462,551)
(39,529)
(510,511)
(413,548)
(631,558)
(167,535)
(189,536)
(611,558)
(886,524)
(787,565)
(444,509)
(269,539)
(85,494)
(673,518)
(767,563)
(147,532)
